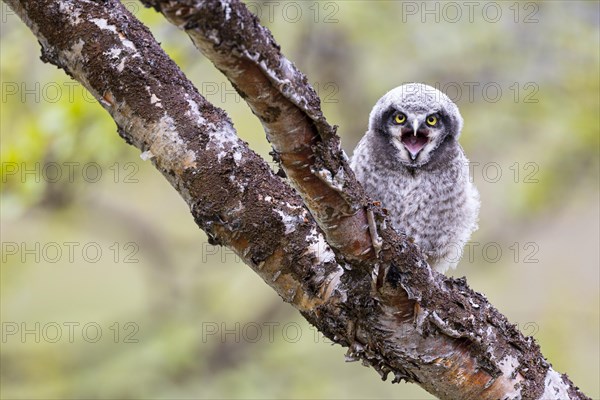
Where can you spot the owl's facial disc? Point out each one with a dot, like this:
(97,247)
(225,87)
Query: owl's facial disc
(415,134)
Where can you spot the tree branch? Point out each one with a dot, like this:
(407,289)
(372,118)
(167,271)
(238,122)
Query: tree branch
(191,142)
(421,326)
(289,109)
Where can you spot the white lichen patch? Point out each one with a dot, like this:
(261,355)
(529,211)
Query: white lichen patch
(127,43)
(223,139)
(121,65)
(237,156)
(226,4)
(554,386)
(68,9)
(116,54)
(104,25)
(233,179)
(319,248)
(194,112)
(509,365)
(288,213)
(155,101)
(289,221)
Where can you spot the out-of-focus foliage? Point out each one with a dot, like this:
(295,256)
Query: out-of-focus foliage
(94,238)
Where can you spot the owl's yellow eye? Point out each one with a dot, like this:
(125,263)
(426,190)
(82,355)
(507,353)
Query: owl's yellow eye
(400,118)
(432,120)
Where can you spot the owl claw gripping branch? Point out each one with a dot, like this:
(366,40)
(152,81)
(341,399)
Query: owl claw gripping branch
(411,160)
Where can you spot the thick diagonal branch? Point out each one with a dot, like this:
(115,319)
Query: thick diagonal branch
(234,197)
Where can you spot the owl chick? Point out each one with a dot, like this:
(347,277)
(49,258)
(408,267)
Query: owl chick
(411,161)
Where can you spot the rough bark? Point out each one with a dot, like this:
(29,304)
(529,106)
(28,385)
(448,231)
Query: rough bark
(375,294)
(289,109)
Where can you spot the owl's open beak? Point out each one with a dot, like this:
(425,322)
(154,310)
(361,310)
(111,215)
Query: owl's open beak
(414,140)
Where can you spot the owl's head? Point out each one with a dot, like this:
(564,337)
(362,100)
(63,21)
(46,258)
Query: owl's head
(414,119)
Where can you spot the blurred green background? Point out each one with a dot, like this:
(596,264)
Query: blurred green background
(109,290)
